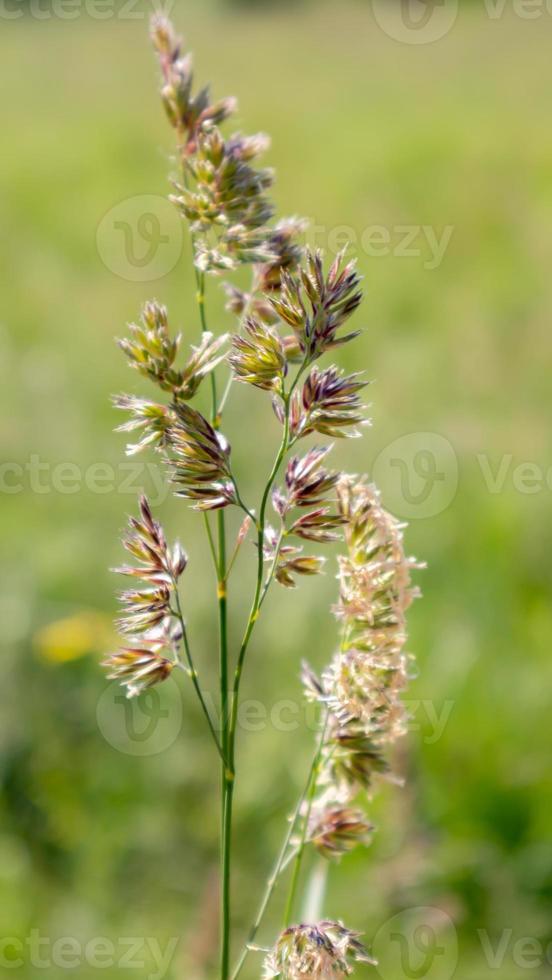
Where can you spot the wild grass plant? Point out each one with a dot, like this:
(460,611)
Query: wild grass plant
(295,312)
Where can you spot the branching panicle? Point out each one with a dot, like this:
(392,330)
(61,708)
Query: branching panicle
(199,458)
(292,313)
(152,352)
(148,419)
(187,113)
(319,952)
(335,830)
(147,614)
(316,306)
(258,357)
(226,204)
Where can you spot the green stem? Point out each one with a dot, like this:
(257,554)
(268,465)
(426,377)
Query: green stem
(282,863)
(227,775)
(310,794)
(254,613)
(192,672)
(210,540)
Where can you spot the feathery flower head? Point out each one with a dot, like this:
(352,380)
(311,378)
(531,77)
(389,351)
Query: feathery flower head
(226,206)
(290,560)
(152,352)
(258,356)
(362,687)
(150,349)
(186,112)
(146,610)
(146,417)
(138,667)
(157,564)
(223,196)
(375,584)
(320,952)
(328,403)
(335,829)
(286,255)
(351,761)
(204,359)
(200,460)
(318,525)
(307,482)
(316,306)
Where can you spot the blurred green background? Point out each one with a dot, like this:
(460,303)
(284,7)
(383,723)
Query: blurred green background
(108,826)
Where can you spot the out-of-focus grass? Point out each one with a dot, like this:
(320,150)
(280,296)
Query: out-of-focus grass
(365,132)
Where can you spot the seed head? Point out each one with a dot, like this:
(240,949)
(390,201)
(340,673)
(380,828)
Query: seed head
(226,203)
(258,356)
(152,352)
(146,610)
(199,458)
(335,830)
(318,525)
(138,667)
(366,678)
(286,255)
(188,113)
(328,403)
(307,482)
(316,306)
(290,560)
(320,952)
(148,418)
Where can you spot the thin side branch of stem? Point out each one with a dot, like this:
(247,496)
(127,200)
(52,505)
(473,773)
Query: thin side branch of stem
(306,818)
(284,857)
(192,672)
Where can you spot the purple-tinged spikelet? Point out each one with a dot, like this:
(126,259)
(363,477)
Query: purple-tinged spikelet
(147,615)
(320,952)
(258,356)
(199,458)
(316,306)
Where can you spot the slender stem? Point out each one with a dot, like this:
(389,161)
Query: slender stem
(311,791)
(274,565)
(282,863)
(253,615)
(259,595)
(192,672)
(227,776)
(210,540)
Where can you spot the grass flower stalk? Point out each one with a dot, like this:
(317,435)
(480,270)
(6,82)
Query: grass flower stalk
(296,311)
